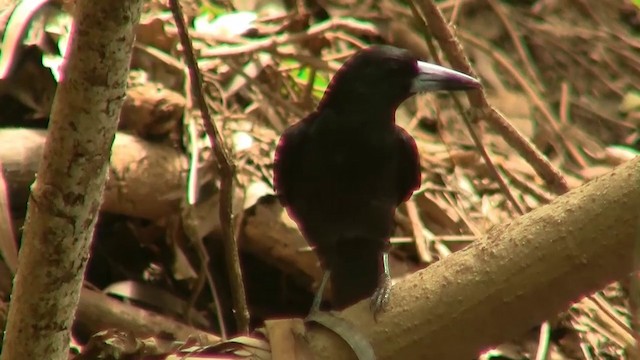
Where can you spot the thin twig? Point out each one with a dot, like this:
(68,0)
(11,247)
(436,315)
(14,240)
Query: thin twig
(564,103)
(472,132)
(188,216)
(535,97)
(527,186)
(543,341)
(421,241)
(227,171)
(351,25)
(515,39)
(455,12)
(477,98)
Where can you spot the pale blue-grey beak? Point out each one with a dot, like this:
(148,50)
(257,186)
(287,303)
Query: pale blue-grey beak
(433,77)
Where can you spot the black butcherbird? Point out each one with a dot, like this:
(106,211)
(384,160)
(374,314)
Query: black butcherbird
(342,171)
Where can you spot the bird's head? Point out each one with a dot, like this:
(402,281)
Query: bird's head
(384,76)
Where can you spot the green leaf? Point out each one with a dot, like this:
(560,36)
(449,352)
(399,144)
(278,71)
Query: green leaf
(213,10)
(320,81)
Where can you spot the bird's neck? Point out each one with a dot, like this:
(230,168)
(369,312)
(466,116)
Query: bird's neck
(347,102)
(360,119)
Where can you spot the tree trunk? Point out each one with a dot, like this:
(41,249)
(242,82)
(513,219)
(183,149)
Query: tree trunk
(66,196)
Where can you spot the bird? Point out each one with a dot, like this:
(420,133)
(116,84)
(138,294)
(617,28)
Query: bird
(342,171)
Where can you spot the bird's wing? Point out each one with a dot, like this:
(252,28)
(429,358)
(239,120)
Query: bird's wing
(288,159)
(409,176)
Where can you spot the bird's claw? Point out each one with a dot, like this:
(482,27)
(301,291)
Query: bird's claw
(382,295)
(317,300)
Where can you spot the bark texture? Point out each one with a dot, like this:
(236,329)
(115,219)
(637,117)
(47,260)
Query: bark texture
(519,275)
(66,196)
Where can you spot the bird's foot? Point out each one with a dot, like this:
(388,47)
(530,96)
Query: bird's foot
(317,300)
(380,298)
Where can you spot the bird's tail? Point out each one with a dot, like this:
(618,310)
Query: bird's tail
(355,270)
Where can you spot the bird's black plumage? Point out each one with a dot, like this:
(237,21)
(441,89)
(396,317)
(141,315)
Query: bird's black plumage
(342,171)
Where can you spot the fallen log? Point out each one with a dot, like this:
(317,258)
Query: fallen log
(146,180)
(519,275)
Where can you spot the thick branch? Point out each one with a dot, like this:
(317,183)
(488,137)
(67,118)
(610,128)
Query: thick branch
(97,312)
(521,274)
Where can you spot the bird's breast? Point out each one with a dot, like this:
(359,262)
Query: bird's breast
(346,185)
(354,169)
